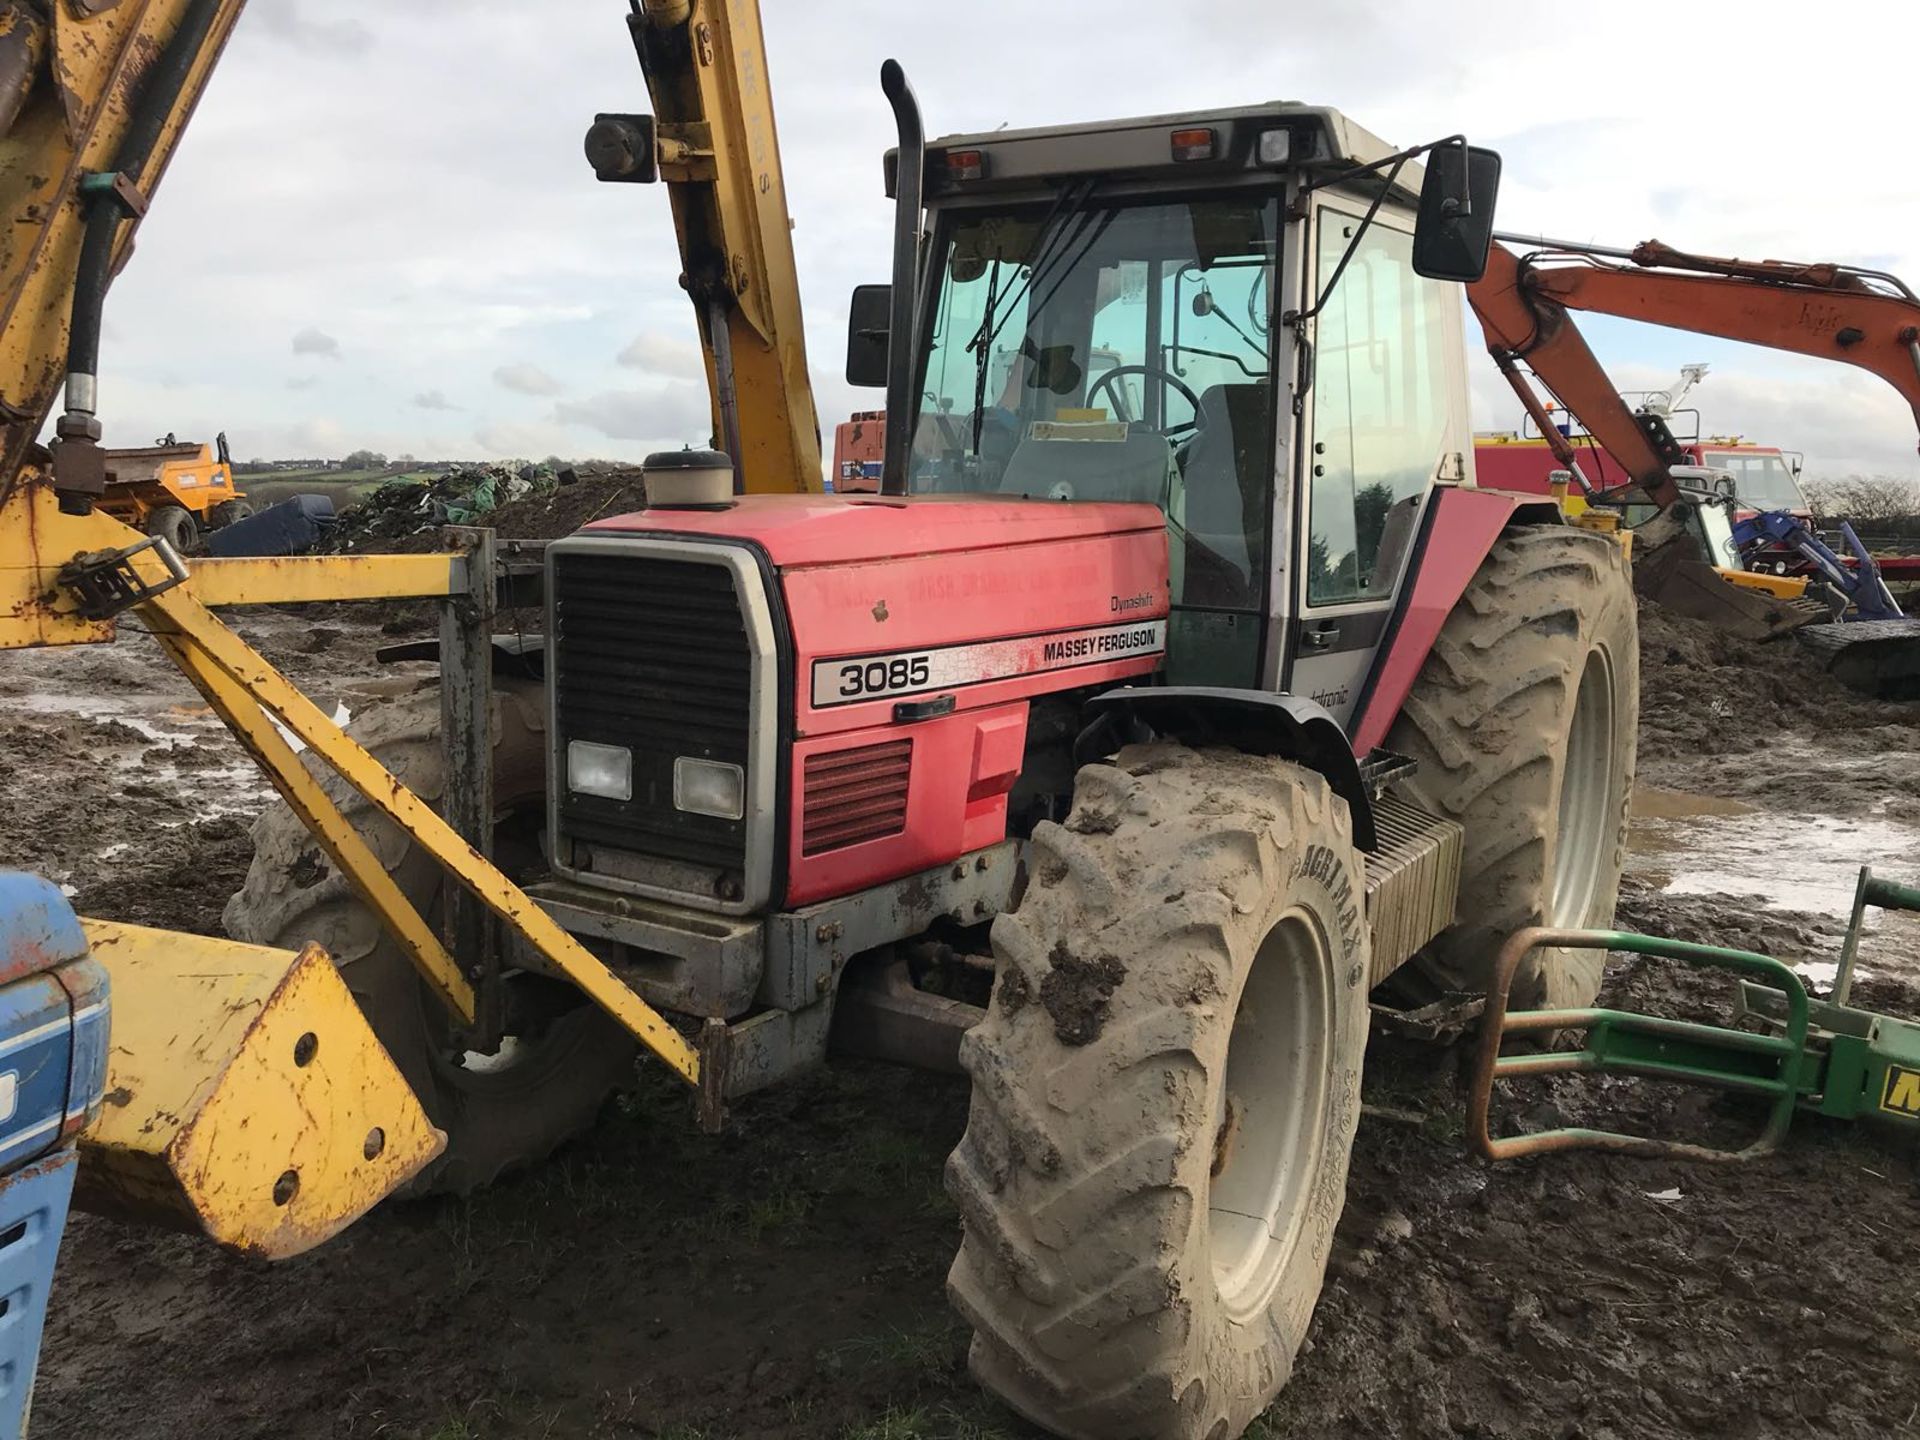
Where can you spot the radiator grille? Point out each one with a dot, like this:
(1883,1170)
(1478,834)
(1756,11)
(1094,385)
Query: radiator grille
(653,655)
(853,796)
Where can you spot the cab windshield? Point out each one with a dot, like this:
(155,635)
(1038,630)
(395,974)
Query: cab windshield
(1112,351)
(1761,480)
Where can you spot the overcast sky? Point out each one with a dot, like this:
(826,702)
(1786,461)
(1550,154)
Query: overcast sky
(380,230)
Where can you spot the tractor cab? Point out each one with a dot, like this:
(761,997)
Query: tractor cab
(1218,314)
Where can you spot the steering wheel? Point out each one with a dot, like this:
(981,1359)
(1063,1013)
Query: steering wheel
(1148,372)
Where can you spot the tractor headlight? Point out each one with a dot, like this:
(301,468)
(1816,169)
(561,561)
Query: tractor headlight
(603,770)
(709,787)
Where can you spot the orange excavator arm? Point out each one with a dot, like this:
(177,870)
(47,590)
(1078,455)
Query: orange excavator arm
(1858,317)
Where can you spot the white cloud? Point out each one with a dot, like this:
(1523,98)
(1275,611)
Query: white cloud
(312,341)
(287,20)
(655,354)
(673,414)
(526,379)
(447,236)
(523,440)
(433,400)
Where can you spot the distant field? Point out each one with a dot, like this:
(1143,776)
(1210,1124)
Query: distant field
(344,487)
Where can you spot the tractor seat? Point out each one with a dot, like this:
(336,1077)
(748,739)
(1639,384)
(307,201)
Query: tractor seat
(1226,485)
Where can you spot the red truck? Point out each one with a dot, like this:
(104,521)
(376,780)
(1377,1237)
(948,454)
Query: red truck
(1765,477)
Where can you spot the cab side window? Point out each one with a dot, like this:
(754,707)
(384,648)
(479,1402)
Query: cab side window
(1380,396)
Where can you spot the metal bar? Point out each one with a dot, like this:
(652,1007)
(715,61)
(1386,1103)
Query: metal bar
(1850,947)
(1891,895)
(1530,401)
(466,731)
(308,579)
(1574,1062)
(726,395)
(261,682)
(1529,1021)
(1495,1026)
(303,793)
(1572,247)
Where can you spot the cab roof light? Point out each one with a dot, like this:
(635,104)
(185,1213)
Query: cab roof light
(966,165)
(1193,144)
(1275,147)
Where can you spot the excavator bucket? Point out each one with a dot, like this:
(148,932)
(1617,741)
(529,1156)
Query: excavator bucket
(247,1097)
(1876,657)
(1696,589)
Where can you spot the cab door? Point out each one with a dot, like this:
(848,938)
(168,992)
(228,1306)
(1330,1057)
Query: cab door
(1386,420)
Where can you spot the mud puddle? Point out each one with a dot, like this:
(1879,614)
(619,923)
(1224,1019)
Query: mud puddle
(1801,867)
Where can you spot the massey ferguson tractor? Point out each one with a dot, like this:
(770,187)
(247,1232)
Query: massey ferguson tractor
(1178,681)
(1177,694)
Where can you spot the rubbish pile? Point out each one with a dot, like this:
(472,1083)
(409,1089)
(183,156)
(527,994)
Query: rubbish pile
(402,509)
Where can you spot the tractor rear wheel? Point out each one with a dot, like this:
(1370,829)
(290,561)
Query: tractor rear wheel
(175,525)
(543,1086)
(1165,1089)
(1524,721)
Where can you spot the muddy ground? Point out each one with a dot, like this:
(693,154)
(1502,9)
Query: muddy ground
(785,1279)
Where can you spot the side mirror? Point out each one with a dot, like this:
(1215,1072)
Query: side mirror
(1455,228)
(868,321)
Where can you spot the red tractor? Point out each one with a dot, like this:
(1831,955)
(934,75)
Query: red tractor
(1177,690)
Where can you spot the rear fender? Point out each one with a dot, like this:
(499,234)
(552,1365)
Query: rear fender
(1462,524)
(1256,722)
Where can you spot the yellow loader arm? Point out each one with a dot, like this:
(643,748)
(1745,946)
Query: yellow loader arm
(94,95)
(712,140)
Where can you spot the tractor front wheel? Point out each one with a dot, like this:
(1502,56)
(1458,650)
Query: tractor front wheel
(546,1082)
(1165,1090)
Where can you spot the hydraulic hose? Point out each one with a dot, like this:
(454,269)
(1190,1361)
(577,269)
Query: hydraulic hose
(106,209)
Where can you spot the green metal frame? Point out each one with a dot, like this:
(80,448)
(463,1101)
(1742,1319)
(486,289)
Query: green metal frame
(1772,1066)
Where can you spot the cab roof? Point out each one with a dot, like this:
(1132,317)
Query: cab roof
(1317,138)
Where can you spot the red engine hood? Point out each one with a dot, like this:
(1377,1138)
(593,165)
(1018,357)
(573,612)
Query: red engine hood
(802,530)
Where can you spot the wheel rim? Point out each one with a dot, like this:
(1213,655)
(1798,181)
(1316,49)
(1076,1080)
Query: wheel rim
(1268,1136)
(1585,831)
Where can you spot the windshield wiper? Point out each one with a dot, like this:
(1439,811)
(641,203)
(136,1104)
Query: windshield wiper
(981,344)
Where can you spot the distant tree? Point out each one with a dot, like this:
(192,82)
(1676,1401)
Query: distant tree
(1868,499)
(364,460)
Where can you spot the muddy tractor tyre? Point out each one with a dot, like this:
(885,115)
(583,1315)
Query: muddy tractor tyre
(1165,1089)
(499,1112)
(176,526)
(1524,722)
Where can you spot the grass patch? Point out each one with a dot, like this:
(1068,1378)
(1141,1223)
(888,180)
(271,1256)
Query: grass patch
(926,1355)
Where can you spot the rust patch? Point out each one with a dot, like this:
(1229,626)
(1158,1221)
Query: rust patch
(1076,993)
(880,611)
(119,1097)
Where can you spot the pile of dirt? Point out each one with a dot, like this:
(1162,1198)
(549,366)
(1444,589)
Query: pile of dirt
(523,502)
(1763,721)
(1707,692)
